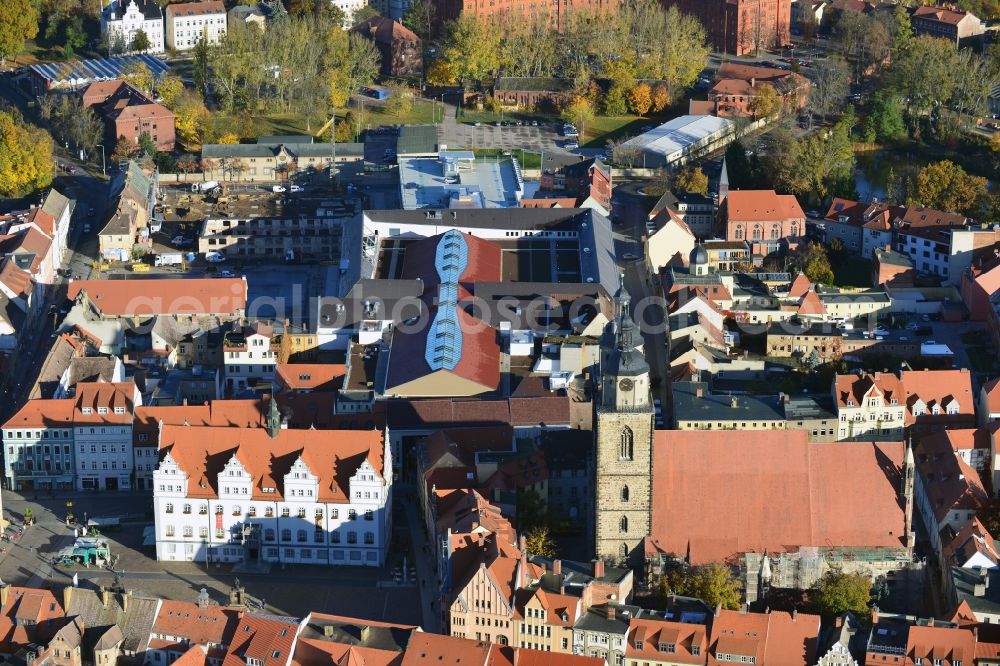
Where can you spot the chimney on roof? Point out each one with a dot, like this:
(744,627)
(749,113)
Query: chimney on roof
(597,568)
(126,598)
(888,247)
(557,567)
(67,597)
(699,392)
(4,592)
(795,614)
(611,607)
(875,616)
(105,596)
(744,609)
(328,630)
(203,598)
(366,633)
(732,401)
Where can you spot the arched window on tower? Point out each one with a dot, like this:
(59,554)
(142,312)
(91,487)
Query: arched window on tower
(625,453)
(624,493)
(623,524)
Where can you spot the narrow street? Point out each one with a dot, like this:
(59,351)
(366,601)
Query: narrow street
(426,574)
(647,305)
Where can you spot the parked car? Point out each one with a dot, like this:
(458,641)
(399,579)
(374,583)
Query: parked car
(571,145)
(629,256)
(278,188)
(296,188)
(86,228)
(226,273)
(215,257)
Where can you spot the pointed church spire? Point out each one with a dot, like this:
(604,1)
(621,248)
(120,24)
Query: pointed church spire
(273,418)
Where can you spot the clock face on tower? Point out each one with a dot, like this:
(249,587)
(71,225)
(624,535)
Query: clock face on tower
(625,385)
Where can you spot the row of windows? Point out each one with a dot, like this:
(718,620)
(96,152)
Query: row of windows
(301,536)
(237,510)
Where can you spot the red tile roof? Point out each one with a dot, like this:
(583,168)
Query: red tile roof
(811,304)
(333,456)
(800,286)
(854,388)
(268,640)
(805,494)
(195,8)
(44,414)
(97,396)
(427,649)
(314,652)
(941,388)
(771,638)
(186,621)
(310,376)
(166,296)
(948,481)
(946,646)
(646,635)
(762,206)
(971,539)
(942,14)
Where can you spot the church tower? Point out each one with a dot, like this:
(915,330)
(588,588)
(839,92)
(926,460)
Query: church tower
(624,441)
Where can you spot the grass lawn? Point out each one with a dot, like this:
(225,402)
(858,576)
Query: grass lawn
(527,159)
(852,273)
(423,113)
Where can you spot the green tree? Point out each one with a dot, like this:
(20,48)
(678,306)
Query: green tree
(946,186)
(169,88)
(472,47)
(714,584)
(692,179)
(18,23)
(539,542)
(885,119)
(146,145)
(902,36)
(363,13)
(579,112)
(421,18)
(766,103)
(140,43)
(924,73)
(201,69)
(613,103)
(136,73)
(25,157)
(837,592)
(815,263)
(530,510)
(400,99)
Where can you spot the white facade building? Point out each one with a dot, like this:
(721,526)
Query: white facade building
(249,356)
(122,19)
(102,435)
(186,23)
(273,495)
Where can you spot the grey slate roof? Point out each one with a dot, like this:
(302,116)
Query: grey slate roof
(417,140)
(356,633)
(135,623)
(712,407)
(964,583)
(91,369)
(801,407)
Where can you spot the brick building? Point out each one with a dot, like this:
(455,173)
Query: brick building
(738,86)
(761,217)
(399,46)
(128,113)
(740,26)
(962,28)
(557,13)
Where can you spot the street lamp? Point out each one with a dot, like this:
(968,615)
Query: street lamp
(103,169)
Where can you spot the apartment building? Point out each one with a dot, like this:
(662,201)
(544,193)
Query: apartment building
(960,27)
(235,494)
(250,353)
(870,407)
(188,22)
(763,218)
(121,20)
(129,113)
(277,239)
(741,26)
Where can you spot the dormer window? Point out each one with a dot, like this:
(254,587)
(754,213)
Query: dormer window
(87,410)
(668,648)
(119,410)
(936,409)
(850,403)
(638,645)
(102,410)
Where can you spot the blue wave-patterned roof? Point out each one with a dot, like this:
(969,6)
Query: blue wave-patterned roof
(444,341)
